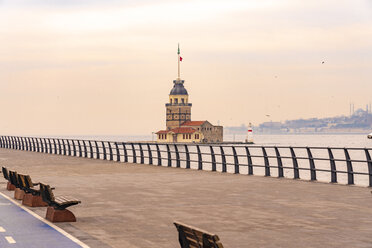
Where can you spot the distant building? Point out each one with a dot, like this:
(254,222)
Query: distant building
(179,127)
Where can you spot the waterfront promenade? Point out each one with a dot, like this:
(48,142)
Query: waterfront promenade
(133,205)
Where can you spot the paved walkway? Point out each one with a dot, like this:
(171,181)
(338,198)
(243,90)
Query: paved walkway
(19,228)
(127,205)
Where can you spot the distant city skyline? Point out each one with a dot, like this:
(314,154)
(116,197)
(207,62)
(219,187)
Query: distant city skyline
(82,67)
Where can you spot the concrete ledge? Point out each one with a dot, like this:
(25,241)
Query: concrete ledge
(19,194)
(10,186)
(54,215)
(33,201)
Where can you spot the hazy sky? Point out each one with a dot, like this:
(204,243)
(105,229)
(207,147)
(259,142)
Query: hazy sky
(106,67)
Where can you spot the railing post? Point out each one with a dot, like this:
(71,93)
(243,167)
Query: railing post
(19,143)
(280,164)
(55,146)
(312,164)
(23,143)
(1,142)
(333,166)
(223,159)
(134,154)
(11,142)
(16,143)
(73,147)
(213,158)
(104,150)
(69,147)
(158,154)
(27,144)
(169,156)
(267,164)
(50,147)
(117,152)
(97,150)
(26,141)
(90,149)
(37,145)
(125,153)
(141,153)
(64,147)
(149,152)
(59,147)
(249,158)
(85,149)
(350,173)
(200,160)
(177,156)
(369,163)
(296,173)
(236,161)
(33,144)
(80,151)
(110,150)
(188,162)
(46,146)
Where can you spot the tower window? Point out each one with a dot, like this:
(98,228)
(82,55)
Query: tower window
(175,100)
(183,100)
(170,101)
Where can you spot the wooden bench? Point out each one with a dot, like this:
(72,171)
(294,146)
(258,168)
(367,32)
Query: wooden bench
(57,211)
(32,198)
(18,192)
(9,185)
(192,237)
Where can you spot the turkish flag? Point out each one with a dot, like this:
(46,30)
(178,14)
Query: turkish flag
(180,58)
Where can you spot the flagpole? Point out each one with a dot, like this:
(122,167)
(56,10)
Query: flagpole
(178,61)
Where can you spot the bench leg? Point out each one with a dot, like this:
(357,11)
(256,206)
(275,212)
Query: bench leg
(54,215)
(10,186)
(19,194)
(33,201)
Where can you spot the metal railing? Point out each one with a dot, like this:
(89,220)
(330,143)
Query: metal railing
(332,164)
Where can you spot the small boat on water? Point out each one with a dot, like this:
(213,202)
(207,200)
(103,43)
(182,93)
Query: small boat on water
(369,136)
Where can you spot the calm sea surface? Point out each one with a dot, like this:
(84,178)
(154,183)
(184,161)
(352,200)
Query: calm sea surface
(332,140)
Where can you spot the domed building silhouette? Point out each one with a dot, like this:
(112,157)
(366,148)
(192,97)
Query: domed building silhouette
(179,126)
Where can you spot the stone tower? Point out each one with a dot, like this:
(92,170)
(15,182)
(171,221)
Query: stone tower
(178,108)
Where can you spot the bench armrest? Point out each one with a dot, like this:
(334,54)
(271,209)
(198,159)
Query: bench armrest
(35,184)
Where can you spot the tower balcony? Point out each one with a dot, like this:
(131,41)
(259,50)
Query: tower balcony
(178,104)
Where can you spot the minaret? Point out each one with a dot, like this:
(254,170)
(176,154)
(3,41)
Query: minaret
(178,108)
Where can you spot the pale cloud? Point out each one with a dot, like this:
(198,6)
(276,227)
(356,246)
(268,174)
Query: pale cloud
(77,67)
